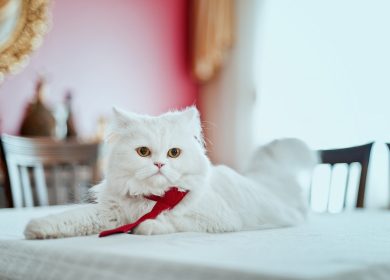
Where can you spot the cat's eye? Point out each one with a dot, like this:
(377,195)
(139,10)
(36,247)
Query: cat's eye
(143,151)
(174,152)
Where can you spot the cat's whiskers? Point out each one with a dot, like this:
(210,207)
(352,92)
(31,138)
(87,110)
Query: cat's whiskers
(170,174)
(144,173)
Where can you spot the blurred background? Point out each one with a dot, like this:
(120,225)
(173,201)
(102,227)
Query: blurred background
(257,70)
(131,54)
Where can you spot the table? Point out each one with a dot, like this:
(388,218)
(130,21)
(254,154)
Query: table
(351,245)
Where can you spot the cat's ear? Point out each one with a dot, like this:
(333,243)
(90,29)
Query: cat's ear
(190,113)
(120,122)
(120,118)
(191,117)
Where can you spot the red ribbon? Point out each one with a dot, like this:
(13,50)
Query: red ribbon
(168,201)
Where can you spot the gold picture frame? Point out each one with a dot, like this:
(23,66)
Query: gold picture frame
(25,37)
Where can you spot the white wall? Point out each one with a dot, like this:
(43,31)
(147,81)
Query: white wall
(323,74)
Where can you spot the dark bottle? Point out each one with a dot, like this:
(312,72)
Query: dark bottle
(70,126)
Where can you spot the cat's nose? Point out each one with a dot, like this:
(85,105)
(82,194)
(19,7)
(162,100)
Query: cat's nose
(159,164)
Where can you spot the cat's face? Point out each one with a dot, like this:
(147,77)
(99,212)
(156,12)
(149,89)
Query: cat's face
(150,154)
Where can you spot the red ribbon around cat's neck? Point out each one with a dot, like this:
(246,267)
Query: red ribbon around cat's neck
(168,201)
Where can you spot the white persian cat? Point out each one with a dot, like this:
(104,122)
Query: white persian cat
(147,155)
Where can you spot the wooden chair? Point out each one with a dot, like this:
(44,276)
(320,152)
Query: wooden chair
(357,154)
(29,162)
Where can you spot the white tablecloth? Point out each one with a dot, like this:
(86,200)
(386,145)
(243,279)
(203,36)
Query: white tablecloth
(352,245)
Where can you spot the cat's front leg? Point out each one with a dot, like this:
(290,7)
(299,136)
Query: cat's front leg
(42,228)
(153,227)
(87,220)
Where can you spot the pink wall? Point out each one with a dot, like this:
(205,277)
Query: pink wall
(129,53)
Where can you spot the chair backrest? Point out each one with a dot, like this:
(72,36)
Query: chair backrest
(29,161)
(348,156)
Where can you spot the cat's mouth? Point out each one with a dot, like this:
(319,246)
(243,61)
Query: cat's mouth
(160,177)
(162,173)
(158,173)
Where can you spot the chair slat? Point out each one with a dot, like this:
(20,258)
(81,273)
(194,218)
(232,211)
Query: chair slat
(76,187)
(26,186)
(346,186)
(40,182)
(330,187)
(57,178)
(17,193)
(362,185)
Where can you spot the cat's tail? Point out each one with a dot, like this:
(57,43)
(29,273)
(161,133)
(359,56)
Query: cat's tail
(287,156)
(285,167)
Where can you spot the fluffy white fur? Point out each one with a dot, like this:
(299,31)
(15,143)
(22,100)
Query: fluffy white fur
(268,194)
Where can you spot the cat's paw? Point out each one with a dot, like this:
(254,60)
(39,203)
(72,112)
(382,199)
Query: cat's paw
(152,227)
(41,229)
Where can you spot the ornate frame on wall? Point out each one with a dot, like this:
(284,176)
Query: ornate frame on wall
(27,36)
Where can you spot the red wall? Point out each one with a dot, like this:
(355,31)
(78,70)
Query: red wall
(128,53)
